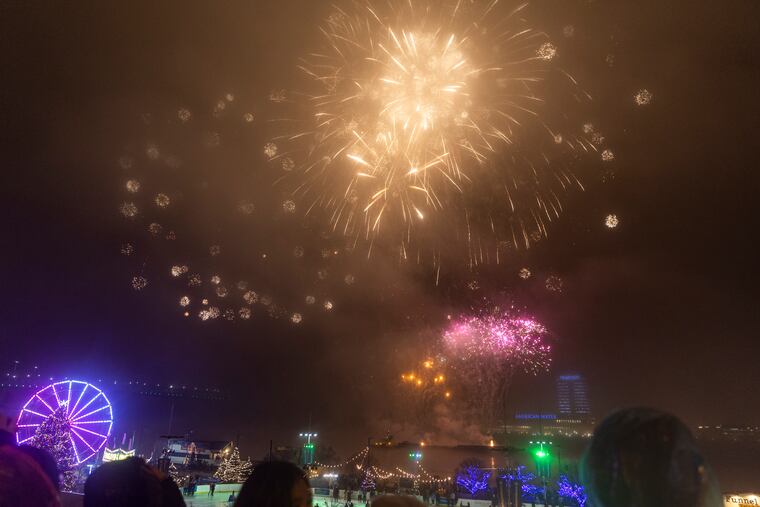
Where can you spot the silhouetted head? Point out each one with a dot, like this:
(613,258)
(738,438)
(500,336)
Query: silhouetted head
(642,457)
(22,481)
(275,484)
(46,462)
(130,483)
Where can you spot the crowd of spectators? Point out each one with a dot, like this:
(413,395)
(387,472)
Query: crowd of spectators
(636,458)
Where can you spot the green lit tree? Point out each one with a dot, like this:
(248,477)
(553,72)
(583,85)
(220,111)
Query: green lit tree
(54,436)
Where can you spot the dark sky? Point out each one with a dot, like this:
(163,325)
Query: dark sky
(663,311)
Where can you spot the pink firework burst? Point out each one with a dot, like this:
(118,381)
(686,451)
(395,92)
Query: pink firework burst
(502,337)
(486,349)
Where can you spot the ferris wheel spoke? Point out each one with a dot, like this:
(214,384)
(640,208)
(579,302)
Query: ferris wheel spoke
(26,439)
(74,446)
(82,439)
(89,431)
(35,413)
(80,398)
(102,421)
(86,405)
(91,412)
(44,403)
(68,399)
(55,393)
(27,425)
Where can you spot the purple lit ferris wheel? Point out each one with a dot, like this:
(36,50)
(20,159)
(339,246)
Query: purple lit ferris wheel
(88,413)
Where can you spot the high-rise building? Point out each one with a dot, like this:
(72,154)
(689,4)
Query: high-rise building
(572,397)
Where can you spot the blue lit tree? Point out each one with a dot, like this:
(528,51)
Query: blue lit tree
(472,477)
(530,492)
(571,490)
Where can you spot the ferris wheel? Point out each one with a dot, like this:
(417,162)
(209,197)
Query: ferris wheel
(87,411)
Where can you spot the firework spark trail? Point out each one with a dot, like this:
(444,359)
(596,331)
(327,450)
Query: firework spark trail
(426,386)
(415,107)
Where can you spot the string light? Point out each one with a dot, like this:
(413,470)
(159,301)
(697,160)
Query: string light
(359,455)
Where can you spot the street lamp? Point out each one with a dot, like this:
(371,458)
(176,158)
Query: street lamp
(307,456)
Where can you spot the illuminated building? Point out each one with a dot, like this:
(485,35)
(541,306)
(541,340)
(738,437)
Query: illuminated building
(572,397)
(186,452)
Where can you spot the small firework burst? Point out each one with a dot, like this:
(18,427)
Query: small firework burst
(229,314)
(473,285)
(242,285)
(288,164)
(127,249)
(608,155)
(184,115)
(209,313)
(178,270)
(289,206)
(248,117)
(597,138)
(322,274)
(171,236)
(270,150)
(558,138)
(219,107)
(155,228)
(133,186)
(229,97)
(310,300)
(152,152)
(246,207)
(184,301)
(277,96)
(296,318)
(546,51)
(328,305)
(139,282)
(568,31)
(212,139)
(214,250)
(643,97)
(244,313)
(266,300)
(194,280)
(126,162)
(298,252)
(349,279)
(611,221)
(524,273)
(128,209)
(221,291)
(173,162)
(215,279)
(553,283)
(250,297)
(162,200)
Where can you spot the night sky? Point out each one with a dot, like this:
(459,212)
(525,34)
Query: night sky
(662,311)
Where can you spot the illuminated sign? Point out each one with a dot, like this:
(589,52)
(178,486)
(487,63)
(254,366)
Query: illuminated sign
(116,454)
(747,499)
(550,417)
